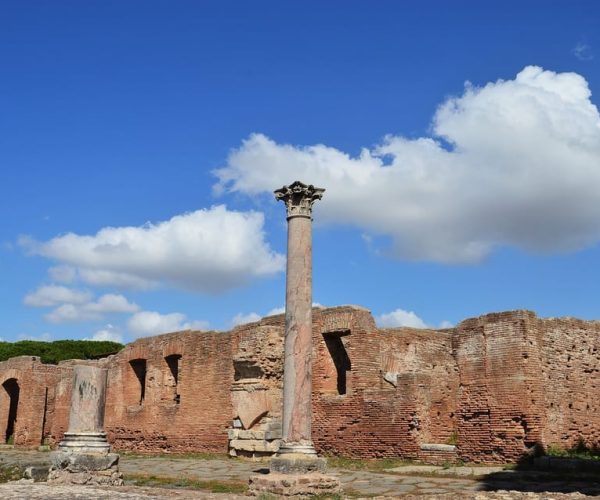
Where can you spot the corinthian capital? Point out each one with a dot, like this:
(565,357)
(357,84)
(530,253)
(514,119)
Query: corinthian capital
(299,198)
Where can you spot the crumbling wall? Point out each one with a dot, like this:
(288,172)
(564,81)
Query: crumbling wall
(148,410)
(496,386)
(256,390)
(420,366)
(570,372)
(400,390)
(26,401)
(500,398)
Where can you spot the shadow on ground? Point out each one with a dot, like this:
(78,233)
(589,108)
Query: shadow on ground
(552,474)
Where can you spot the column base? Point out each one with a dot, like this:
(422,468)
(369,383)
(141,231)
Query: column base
(297,458)
(69,467)
(295,485)
(297,463)
(84,442)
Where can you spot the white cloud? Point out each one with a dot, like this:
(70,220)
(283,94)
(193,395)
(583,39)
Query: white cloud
(208,250)
(281,310)
(446,324)
(522,169)
(242,319)
(109,332)
(63,274)
(400,317)
(583,52)
(44,337)
(106,304)
(147,323)
(52,295)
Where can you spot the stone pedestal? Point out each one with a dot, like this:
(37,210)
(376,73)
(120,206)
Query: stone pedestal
(297,470)
(83,456)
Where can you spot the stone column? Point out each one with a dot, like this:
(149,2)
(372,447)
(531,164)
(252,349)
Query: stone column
(83,456)
(297,470)
(86,420)
(297,373)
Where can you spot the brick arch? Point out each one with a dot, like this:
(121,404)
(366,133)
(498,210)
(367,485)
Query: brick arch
(11,373)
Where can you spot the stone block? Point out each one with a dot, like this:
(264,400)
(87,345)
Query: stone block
(438,447)
(243,434)
(37,473)
(255,445)
(95,478)
(298,463)
(84,462)
(294,485)
(276,434)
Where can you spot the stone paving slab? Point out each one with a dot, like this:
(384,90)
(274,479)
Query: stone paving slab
(401,482)
(42,491)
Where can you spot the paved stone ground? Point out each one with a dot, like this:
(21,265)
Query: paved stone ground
(405,482)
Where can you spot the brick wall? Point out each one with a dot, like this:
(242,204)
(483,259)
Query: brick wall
(570,368)
(198,419)
(26,380)
(496,386)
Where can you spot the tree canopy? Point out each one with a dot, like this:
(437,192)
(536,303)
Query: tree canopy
(59,350)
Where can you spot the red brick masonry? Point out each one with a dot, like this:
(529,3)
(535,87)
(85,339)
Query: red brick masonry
(494,386)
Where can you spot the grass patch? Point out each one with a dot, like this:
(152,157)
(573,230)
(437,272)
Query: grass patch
(10,473)
(374,465)
(214,486)
(580,450)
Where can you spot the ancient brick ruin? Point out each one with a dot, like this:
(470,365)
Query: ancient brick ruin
(487,390)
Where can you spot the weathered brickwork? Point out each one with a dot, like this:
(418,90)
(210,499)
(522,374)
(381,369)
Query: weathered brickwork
(28,396)
(570,367)
(500,396)
(495,386)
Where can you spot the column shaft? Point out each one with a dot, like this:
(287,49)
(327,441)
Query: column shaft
(297,382)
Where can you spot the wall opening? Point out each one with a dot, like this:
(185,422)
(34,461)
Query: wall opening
(11,387)
(44,418)
(139,368)
(340,358)
(174,364)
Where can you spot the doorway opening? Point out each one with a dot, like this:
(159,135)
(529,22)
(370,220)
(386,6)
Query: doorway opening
(11,387)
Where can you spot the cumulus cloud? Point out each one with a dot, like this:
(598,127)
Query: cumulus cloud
(242,319)
(400,317)
(106,304)
(512,163)
(208,250)
(63,274)
(52,295)
(109,332)
(147,323)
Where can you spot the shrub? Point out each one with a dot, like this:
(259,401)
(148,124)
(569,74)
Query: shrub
(59,350)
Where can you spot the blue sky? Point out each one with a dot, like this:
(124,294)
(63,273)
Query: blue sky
(140,141)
